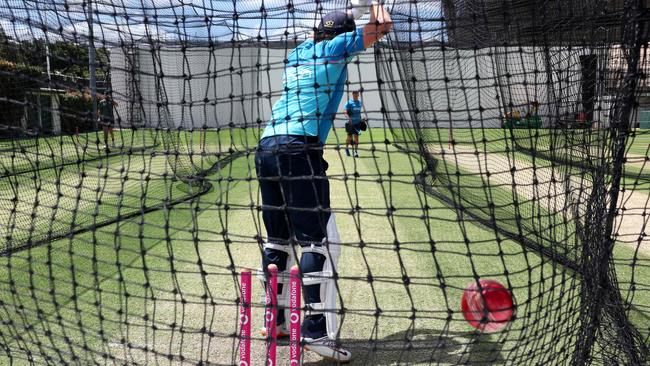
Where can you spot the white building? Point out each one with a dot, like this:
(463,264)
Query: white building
(236,85)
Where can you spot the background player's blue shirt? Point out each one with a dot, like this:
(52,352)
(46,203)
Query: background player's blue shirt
(314,80)
(353,108)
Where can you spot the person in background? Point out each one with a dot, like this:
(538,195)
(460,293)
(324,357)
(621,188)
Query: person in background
(353,125)
(105,118)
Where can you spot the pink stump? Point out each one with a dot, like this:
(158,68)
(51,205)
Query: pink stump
(244,319)
(271,314)
(294,317)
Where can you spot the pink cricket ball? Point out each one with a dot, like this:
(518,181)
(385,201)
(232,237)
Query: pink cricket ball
(489,307)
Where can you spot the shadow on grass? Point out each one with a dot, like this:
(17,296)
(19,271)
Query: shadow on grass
(423,346)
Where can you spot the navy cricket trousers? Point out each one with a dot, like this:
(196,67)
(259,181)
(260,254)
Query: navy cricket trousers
(295,202)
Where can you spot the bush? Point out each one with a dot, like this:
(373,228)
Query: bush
(76,111)
(15,81)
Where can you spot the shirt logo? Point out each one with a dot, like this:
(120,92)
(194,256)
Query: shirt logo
(299,73)
(329,24)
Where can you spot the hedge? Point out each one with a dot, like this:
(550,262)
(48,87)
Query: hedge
(76,110)
(15,81)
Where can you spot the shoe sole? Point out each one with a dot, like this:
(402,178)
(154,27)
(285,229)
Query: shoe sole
(328,357)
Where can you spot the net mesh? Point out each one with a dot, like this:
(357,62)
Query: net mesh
(503,144)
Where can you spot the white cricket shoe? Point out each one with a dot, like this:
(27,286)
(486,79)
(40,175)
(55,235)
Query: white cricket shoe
(327,348)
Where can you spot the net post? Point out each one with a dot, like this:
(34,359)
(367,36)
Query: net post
(92,66)
(245,318)
(271,312)
(294,316)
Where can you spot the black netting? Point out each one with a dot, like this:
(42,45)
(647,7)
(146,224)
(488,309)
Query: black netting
(507,140)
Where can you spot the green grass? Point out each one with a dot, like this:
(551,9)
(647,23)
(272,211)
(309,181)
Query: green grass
(497,141)
(544,227)
(572,145)
(26,155)
(640,143)
(47,193)
(158,279)
(63,200)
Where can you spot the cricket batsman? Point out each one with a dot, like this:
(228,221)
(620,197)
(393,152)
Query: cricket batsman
(292,172)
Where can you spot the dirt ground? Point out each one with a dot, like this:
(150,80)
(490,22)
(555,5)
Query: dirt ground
(555,186)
